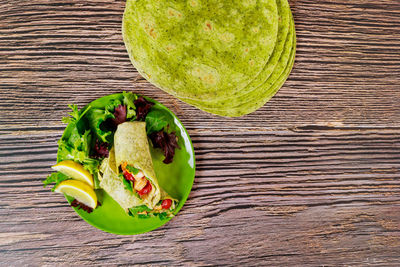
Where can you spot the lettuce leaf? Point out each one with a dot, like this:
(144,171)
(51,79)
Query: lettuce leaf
(96,118)
(75,114)
(163,215)
(128,101)
(76,147)
(168,142)
(100,150)
(92,166)
(128,184)
(134,211)
(110,107)
(156,120)
(143,107)
(119,115)
(55,177)
(104,121)
(132,169)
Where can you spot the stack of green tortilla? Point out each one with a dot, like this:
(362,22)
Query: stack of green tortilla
(226,57)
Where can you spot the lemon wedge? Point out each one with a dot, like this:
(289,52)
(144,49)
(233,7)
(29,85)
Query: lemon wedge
(74,170)
(78,190)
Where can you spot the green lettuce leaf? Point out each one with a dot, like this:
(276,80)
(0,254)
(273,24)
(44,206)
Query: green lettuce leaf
(129,102)
(112,105)
(75,114)
(76,147)
(163,215)
(132,169)
(57,178)
(156,120)
(95,118)
(96,181)
(137,209)
(127,184)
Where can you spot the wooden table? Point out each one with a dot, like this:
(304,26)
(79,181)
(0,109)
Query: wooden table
(312,178)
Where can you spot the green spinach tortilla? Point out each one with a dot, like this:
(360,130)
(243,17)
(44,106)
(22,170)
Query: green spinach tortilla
(245,103)
(283,34)
(259,100)
(201,49)
(224,57)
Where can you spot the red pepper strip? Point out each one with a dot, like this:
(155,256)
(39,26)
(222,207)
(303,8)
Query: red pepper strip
(128,176)
(145,189)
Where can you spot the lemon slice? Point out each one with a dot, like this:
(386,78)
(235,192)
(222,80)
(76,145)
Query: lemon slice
(78,190)
(74,170)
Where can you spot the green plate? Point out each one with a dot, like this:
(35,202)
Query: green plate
(176,178)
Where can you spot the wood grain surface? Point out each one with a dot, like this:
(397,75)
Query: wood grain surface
(310,179)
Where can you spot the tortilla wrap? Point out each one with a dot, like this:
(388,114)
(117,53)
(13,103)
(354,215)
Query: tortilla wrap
(114,186)
(131,147)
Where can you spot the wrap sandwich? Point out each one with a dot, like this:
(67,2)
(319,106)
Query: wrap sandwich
(128,175)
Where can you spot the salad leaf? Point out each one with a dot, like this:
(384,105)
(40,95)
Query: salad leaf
(112,105)
(149,213)
(76,204)
(137,209)
(75,114)
(157,128)
(91,165)
(156,120)
(132,169)
(163,215)
(167,142)
(104,122)
(127,184)
(100,150)
(83,143)
(129,102)
(119,115)
(96,117)
(96,181)
(76,147)
(66,151)
(142,108)
(55,177)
